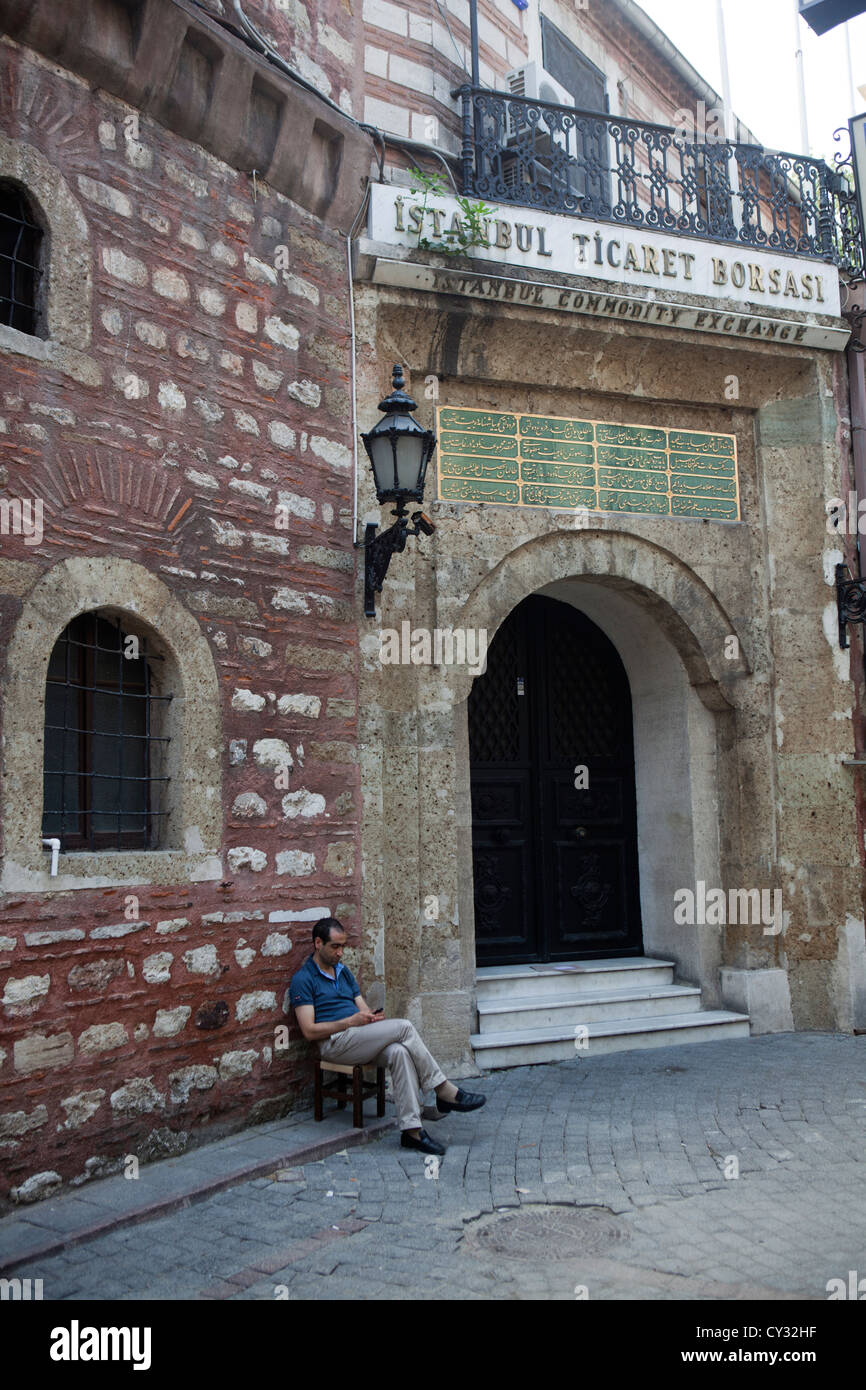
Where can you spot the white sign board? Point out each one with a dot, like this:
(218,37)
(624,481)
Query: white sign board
(628,257)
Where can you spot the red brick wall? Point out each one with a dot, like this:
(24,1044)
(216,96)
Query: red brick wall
(224,384)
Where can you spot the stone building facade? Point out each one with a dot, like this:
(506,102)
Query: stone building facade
(184,410)
(746,712)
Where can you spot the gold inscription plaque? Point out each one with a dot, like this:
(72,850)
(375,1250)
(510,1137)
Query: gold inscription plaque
(512,460)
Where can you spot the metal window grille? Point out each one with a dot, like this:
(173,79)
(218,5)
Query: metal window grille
(101,789)
(20,241)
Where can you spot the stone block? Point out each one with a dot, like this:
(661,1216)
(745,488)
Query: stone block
(36,1187)
(236,1064)
(81,1107)
(762,994)
(170,284)
(383,15)
(169,1022)
(246,857)
(138,1096)
(18,1122)
(202,960)
(156,969)
(96,975)
(27,989)
(307,705)
(258,1001)
(296,862)
(102,1037)
(188,1079)
(127,268)
(42,1052)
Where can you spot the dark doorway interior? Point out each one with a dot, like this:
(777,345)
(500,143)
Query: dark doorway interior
(554,847)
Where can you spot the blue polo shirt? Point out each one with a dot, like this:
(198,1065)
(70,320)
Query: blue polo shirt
(331,999)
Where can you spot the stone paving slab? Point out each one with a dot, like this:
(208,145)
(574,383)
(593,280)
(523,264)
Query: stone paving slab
(102,1205)
(646,1137)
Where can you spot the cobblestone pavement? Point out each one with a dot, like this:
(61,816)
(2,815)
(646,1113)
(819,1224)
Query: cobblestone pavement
(648,1137)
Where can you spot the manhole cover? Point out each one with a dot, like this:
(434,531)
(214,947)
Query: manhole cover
(549,1232)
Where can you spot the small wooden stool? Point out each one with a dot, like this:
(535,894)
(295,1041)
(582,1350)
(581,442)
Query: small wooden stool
(361,1089)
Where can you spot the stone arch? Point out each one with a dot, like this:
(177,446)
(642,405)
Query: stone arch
(67,289)
(670,632)
(677,600)
(129,591)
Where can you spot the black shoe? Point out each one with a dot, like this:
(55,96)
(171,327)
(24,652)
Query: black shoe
(466,1100)
(423,1144)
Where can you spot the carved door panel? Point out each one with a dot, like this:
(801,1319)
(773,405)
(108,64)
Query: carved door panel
(503,810)
(553,798)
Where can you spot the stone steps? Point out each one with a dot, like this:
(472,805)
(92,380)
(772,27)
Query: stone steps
(572,976)
(529,1014)
(504,1015)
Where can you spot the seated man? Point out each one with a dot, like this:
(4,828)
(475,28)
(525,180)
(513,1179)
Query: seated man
(332,1011)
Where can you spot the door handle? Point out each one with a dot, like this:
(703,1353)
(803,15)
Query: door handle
(579,832)
(500,835)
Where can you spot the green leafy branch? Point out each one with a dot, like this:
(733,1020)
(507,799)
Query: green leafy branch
(470,230)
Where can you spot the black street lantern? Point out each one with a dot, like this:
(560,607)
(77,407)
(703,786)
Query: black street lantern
(399,451)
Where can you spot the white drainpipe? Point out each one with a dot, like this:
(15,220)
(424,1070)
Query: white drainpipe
(54,846)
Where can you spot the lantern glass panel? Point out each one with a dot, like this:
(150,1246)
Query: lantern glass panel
(409,453)
(382,456)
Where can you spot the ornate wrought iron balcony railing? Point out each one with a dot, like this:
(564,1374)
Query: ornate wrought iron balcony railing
(635,174)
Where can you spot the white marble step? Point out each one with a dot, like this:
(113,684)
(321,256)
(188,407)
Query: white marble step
(496,981)
(556,1044)
(506,1014)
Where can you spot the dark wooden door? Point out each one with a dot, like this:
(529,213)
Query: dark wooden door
(555,861)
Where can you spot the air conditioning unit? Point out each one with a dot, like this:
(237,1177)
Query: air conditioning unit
(533,83)
(536,84)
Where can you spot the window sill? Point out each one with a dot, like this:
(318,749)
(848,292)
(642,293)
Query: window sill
(110,870)
(53,353)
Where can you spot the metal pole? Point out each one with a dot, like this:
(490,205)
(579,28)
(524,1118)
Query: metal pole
(473,40)
(801,80)
(730,124)
(730,132)
(851,97)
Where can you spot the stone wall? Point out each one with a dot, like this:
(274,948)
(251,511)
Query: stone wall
(186,419)
(740,763)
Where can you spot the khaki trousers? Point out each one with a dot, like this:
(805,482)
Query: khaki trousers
(394,1044)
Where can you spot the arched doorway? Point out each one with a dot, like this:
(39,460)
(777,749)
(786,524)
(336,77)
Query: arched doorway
(554,833)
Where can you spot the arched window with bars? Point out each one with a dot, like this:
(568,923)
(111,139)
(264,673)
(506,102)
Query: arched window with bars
(106,746)
(21,247)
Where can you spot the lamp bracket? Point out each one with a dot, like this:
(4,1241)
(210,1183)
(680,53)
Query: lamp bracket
(850,601)
(379,549)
